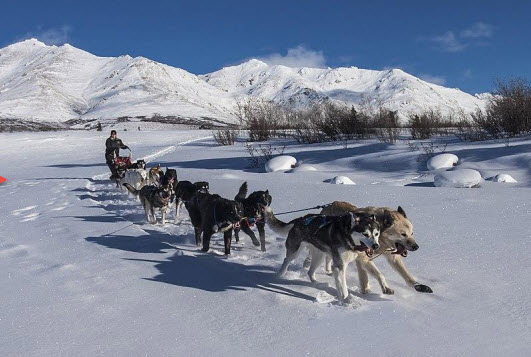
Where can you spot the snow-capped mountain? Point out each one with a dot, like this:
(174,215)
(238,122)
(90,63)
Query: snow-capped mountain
(59,83)
(51,83)
(393,89)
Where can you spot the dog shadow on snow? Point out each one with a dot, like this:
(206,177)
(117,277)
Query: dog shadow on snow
(191,268)
(213,273)
(151,242)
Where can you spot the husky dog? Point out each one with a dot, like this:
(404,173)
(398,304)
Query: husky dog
(340,237)
(119,176)
(184,191)
(139,164)
(170,176)
(155,175)
(152,197)
(396,240)
(136,175)
(210,214)
(253,209)
(169,180)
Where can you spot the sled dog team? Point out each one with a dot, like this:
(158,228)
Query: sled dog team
(339,234)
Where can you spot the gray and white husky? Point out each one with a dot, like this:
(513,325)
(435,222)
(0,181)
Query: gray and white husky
(153,197)
(396,239)
(339,237)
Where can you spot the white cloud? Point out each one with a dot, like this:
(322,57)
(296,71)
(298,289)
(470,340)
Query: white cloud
(298,56)
(440,80)
(51,36)
(475,35)
(478,30)
(448,42)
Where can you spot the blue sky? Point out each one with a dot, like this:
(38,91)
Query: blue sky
(464,44)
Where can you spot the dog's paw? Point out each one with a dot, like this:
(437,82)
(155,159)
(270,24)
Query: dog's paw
(263,249)
(388,291)
(349,300)
(256,243)
(328,272)
(204,250)
(366,291)
(421,288)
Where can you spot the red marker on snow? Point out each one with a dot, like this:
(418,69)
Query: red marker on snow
(2,179)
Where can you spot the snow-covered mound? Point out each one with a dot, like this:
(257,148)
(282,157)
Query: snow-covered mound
(442,161)
(504,178)
(280,163)
(303,168)
(301,87)
(463,178)
(341,180)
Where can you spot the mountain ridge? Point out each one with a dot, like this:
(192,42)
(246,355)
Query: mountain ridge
(61,83)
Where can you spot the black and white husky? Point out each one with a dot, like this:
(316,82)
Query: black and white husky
(341,238)
(153,197)
(253,209)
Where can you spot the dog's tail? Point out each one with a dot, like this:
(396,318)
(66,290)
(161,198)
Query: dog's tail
(242,193)
(131,189)
(275,224)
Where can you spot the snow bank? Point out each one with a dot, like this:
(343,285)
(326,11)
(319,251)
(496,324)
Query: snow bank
(458,178)
(504,178)
(303,168)
(442,161)
(280,163)
(341,180)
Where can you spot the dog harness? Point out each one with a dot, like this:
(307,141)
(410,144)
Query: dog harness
(234,225)
(324,222)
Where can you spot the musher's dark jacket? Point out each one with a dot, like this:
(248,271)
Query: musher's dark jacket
(112,148)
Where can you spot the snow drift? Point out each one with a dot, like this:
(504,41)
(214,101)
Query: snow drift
(462,178)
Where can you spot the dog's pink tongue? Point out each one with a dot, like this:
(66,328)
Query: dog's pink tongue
(369,252)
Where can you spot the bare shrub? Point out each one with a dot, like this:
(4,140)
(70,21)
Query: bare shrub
(424,125)
(225,136)
(262,153)
(469,131)
(427,149)
(330,122)
(263,119)
(508,112)
(387,126)
(510,107)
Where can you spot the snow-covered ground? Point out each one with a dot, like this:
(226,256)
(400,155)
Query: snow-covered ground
(83,274)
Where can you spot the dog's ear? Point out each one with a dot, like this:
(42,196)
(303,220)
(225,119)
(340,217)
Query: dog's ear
(387,219)
(242,192)
(373,217)
(348,221)
(401,211)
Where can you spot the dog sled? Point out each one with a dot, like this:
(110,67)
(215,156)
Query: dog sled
(122,163)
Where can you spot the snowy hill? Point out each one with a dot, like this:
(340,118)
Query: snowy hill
(56,84)
(51,83)
(394,89)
